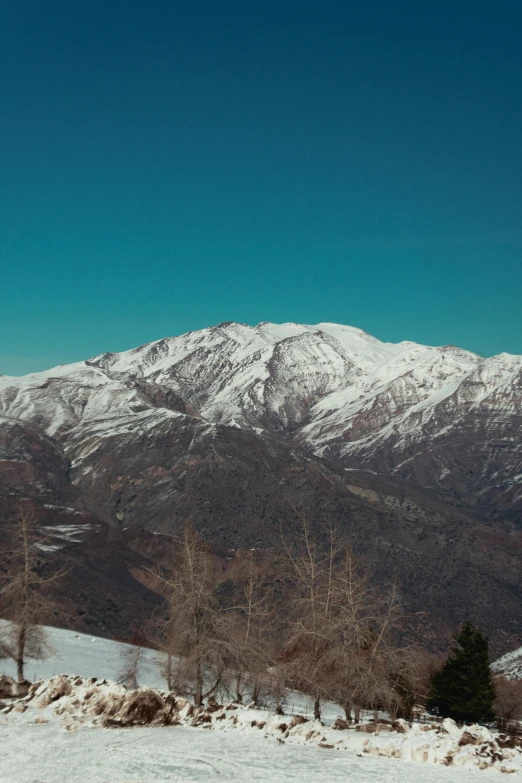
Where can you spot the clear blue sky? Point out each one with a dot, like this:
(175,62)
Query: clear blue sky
(168,165)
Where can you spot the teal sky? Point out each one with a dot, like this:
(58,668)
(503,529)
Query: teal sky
(165,166)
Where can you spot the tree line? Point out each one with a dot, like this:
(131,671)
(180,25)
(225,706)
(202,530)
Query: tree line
(324,629)
(327,631)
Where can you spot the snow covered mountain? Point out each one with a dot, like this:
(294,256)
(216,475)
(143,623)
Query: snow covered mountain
(436,417)
(414,451)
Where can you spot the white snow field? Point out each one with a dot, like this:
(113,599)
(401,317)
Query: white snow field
(56,736)
(46,754)
(86,656)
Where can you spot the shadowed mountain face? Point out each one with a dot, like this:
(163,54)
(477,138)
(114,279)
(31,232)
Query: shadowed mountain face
(414,451)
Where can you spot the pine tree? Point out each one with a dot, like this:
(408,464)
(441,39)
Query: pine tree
(463,689)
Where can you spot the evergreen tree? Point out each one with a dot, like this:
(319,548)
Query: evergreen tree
(463,689)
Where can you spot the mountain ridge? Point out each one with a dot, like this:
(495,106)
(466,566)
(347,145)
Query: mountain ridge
(330,389)
(413,451)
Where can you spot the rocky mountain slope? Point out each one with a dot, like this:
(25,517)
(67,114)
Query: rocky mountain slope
(437,417)
(415,451)
(442,418)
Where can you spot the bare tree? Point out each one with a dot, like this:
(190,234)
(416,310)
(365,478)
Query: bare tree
(251,636)
(341,643)
(340,635)
(410,672)
(508,704)
(355,611)
(24,592)
(372,669)
(193,631)
(368,619)
(131,657)
(308,653)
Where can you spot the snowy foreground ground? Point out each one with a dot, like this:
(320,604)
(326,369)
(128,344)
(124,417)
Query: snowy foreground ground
(49,740)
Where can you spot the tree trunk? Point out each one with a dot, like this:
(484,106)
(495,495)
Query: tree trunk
(20,650)
(317,708)
(357,714)
(239,697)
(169,672)
(19,669)
(348,711)
(255,692)
(212,691)
(199,687)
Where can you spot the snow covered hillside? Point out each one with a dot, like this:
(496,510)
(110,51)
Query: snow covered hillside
(57,735)
(510,665)
(84,655)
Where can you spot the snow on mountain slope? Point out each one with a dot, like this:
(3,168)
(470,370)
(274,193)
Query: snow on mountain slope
(414,379)
(234,373)
(402,402)
(440,416)
(60,399)
(509,666)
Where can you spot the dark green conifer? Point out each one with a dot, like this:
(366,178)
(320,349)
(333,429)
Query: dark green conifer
(463,689)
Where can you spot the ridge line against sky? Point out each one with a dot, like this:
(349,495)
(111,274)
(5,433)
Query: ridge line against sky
(227,323)
(168,166)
